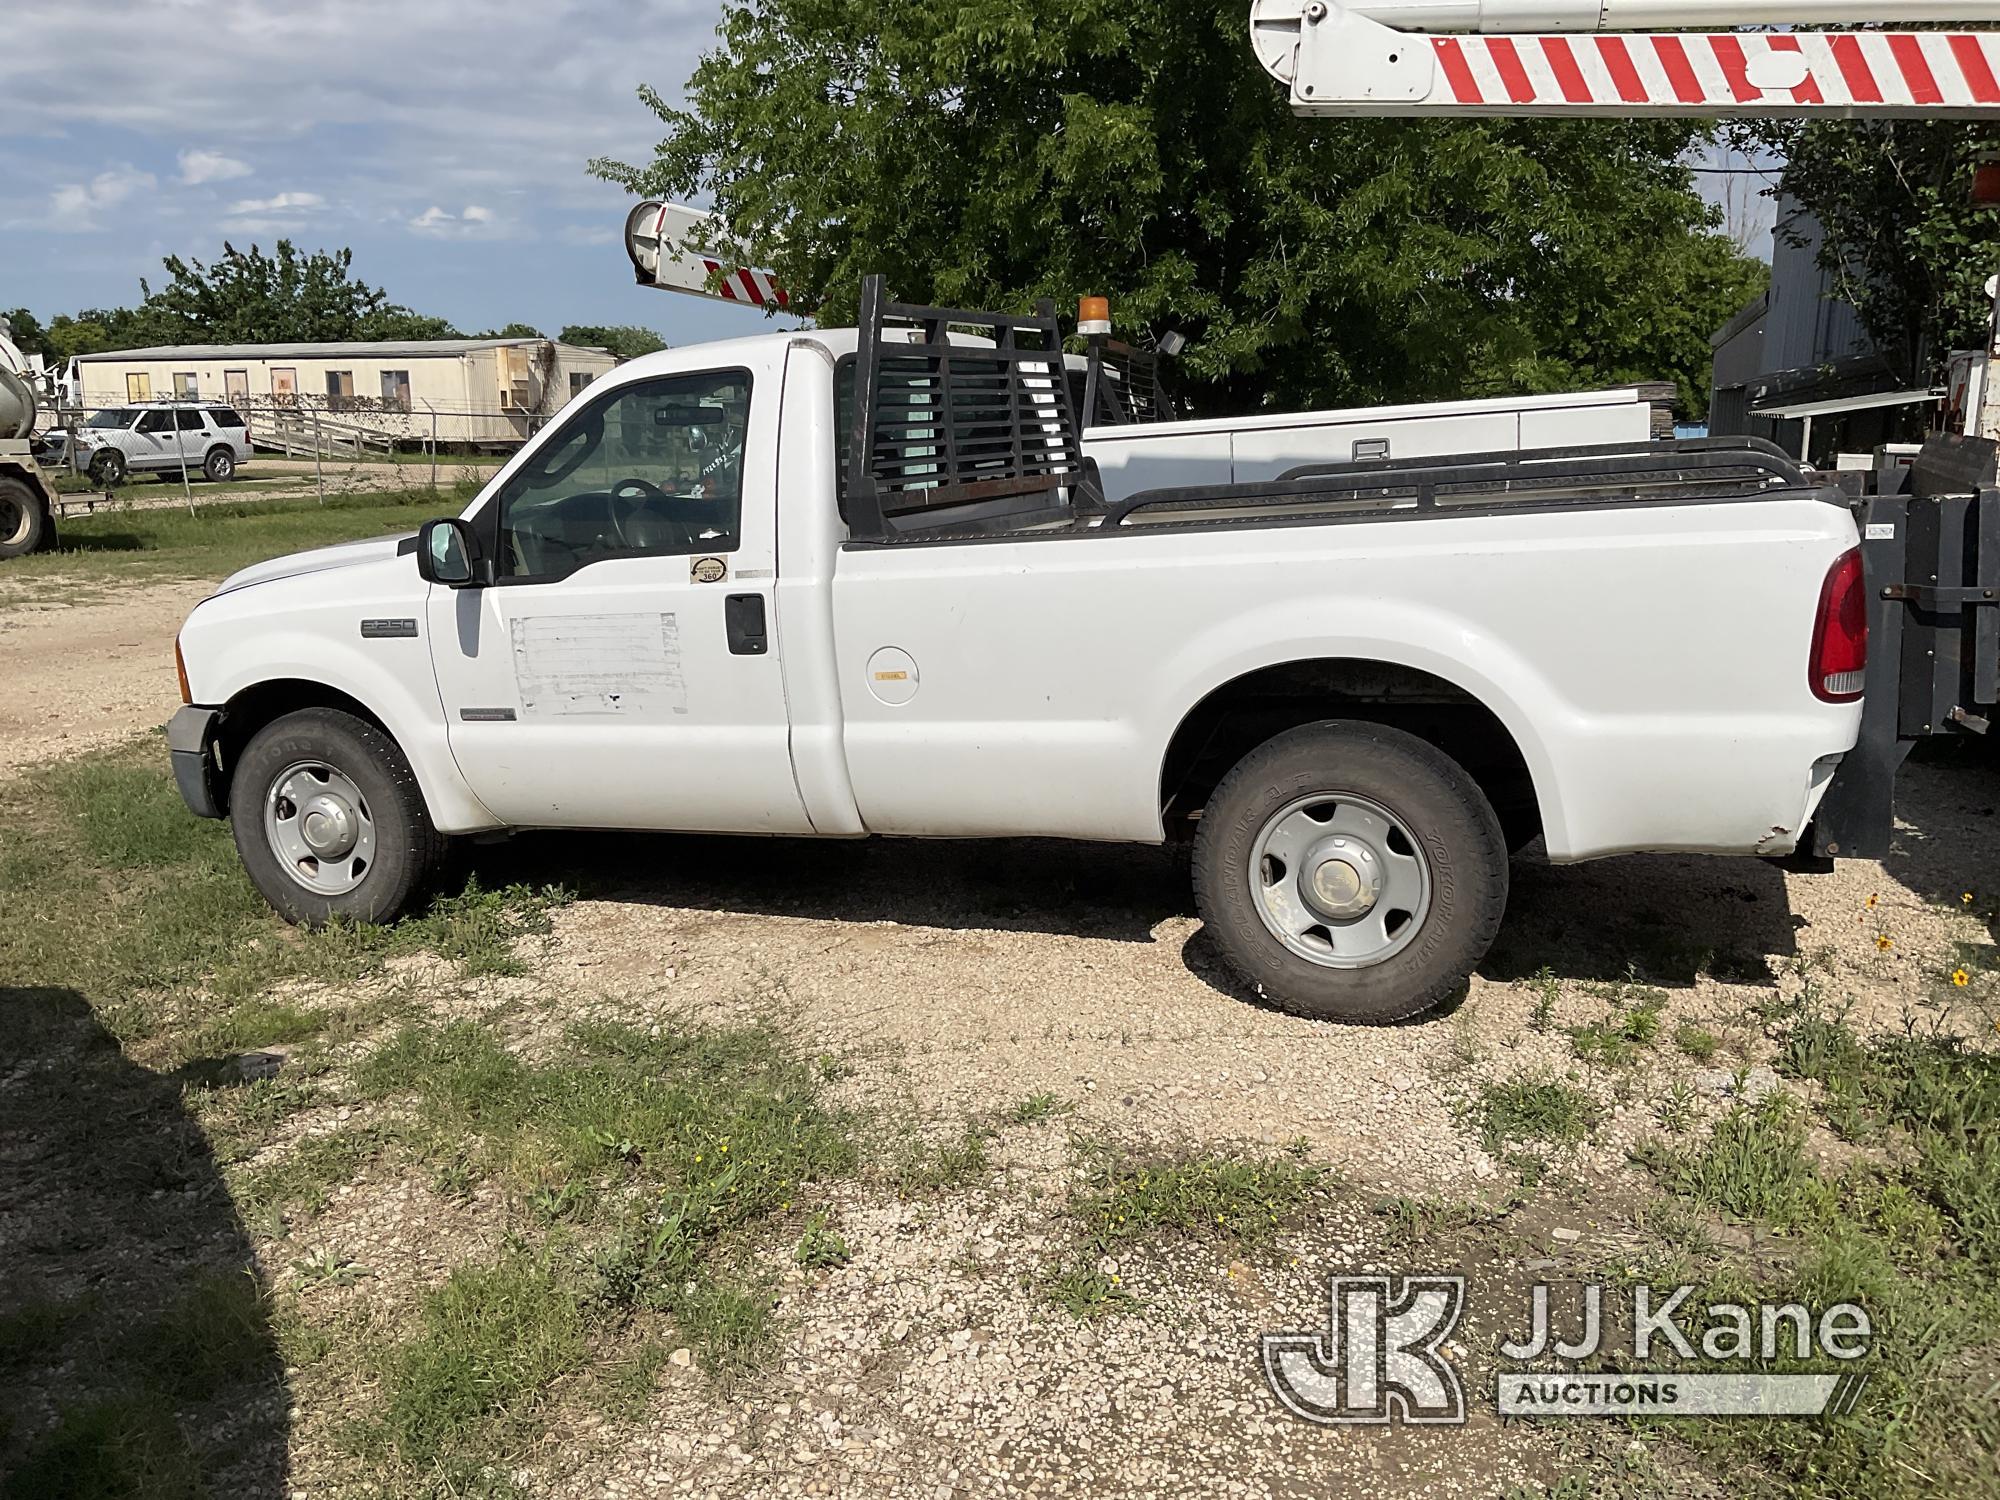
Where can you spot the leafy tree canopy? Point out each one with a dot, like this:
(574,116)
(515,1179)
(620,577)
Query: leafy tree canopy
(248,297)
(511,331)
(984,152)
(624,340)
(1907,246)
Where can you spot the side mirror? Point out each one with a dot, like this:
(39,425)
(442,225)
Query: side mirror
(448,553)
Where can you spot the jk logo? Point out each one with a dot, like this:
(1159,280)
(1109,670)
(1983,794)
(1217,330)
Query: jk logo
(1378,1360)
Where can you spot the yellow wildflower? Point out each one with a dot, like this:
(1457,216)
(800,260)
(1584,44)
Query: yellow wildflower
(1873,902)
(1885,942)
(1960,978)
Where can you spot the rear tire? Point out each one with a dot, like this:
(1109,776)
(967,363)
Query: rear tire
(24,518)
(329,820)
(1413,830)
(220,465)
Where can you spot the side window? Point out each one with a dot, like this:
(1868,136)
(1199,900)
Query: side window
(157,421)
(189,421)
(651,469)
(226,416)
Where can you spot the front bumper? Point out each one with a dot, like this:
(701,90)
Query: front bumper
(191,737)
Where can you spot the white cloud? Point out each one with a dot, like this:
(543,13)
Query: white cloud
(75,207)
(474,221)
(284,203)
(198,167)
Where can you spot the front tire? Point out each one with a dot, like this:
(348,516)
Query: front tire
(24,519)
(108,467)
(329,820)
(1351,872)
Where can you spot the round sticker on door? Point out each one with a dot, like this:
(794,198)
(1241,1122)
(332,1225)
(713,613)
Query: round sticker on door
(709,570)
(892,676)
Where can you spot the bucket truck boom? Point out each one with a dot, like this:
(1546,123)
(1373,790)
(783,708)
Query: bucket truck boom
(1597,57)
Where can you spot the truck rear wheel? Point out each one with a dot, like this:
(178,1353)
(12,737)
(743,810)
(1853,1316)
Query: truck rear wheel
(24,519)
(1351,872)
(329,820)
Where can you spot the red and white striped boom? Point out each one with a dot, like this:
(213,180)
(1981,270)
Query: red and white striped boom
(1594,57)
(676,249)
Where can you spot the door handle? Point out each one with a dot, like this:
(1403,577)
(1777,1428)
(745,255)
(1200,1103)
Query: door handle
(748,634)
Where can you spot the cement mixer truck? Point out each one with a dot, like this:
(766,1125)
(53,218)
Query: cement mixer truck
(27,499)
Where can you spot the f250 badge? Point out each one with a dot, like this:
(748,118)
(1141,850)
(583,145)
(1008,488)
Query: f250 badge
(709,570)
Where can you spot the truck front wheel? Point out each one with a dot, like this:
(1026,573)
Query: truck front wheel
(329,820)
(23,519)
(1351,872)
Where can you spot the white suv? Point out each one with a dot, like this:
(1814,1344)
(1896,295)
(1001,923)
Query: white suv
(206,437)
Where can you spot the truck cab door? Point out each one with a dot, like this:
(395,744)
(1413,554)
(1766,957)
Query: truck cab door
(621,668)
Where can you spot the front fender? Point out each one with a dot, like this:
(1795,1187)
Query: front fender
(230,650)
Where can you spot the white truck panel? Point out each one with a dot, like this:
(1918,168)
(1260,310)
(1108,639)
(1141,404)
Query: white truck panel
(1055,673)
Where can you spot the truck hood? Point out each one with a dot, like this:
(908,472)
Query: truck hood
(319,560)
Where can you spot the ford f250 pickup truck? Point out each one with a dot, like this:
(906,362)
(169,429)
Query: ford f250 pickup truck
(839,584)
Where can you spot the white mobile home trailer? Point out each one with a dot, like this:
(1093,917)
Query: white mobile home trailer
(478,392)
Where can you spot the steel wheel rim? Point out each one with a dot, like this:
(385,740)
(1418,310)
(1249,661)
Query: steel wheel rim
(319,827)
(1340,880)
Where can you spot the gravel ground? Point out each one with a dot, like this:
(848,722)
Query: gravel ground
(951,981)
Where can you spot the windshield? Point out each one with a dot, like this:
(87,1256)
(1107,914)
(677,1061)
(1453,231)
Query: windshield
(117,416)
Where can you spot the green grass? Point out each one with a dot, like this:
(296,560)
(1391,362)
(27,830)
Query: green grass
(924,1168)
(1910,1230)
(1697,1043)
(1038,1107)
(1533,1109)
(214,1336)
(1753,1167)
(1631,1027)
(143,908)
(168,542)
(488,1345)
(1122,1205)
(107,1449)
(822,1246)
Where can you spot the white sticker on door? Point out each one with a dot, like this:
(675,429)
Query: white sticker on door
(623,665)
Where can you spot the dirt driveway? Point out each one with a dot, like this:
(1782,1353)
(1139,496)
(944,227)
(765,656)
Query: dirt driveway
(950,985)
(84,675)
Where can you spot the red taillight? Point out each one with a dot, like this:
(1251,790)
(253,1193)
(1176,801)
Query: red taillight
(1840,634)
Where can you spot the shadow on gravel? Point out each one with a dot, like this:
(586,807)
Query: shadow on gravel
(136,1354)
(1949,798)
(1667,919)
(1114,892)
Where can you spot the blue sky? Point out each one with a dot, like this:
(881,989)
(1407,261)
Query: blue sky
(443,140)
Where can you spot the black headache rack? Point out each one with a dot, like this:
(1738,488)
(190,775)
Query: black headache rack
(954,437)
(1933,569)
(1122,386)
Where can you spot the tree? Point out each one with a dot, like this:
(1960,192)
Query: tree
(994,151)
(624,340)
(248,297)
(1907,245)
(512,331)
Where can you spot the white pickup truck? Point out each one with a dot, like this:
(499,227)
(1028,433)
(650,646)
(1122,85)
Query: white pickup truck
(838,584)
